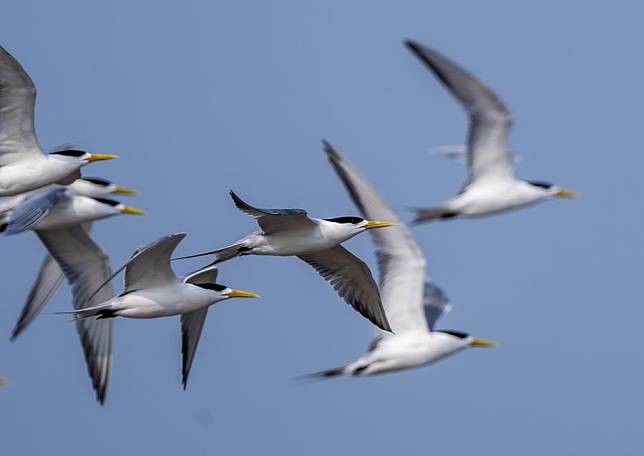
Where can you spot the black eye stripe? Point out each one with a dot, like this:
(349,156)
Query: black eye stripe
(352,220)
(211,286)
(69,153)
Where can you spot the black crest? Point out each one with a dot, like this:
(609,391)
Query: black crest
(459,334)
(541,184)
(69,153)
(352,220)
(107,201)
(211,286)
(97,181)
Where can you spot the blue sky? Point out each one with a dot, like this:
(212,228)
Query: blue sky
(201,97)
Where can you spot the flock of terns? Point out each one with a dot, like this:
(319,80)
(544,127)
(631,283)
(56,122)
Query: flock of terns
(46,194)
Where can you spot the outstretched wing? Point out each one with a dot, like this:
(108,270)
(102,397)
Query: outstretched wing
(401,263)
(353,281)
(272,220)
(192,323)
(34,209)
(17,102)
(86,266)
(488,150)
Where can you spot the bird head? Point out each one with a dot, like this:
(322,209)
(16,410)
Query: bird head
(461,339)
(221,292)
(358,224)
(552,190)
(97,187)
(82,156)
(112,207)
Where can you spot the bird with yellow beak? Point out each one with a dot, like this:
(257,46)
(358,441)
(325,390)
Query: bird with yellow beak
(291,232)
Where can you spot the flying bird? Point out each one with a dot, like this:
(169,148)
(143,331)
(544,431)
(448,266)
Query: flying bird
(291,232)
(491,186)
(412,302)
(23,164)
(50,274)
(153,290)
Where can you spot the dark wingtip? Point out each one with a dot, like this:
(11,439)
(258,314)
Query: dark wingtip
(411,44)
(330,150)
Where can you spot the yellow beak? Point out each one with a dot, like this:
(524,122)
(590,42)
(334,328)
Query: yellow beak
(377,224)
(98,157)
(241,294)
(482,343)
(132,211)
(563,193)
(124,191)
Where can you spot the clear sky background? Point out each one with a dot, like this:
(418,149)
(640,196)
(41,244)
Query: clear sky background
(201,97)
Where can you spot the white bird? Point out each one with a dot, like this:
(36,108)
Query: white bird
(491,186)
(23,165)
(50,274)
(290,232)
(412,302)
(153,290)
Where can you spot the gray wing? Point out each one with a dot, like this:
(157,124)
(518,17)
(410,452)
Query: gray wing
(401,263)
(272,220)
(31,211)
(149,266)
(436,304)
(17,102)
(86,266)
(192,323)
(488,150)
(50,276)
(353,281)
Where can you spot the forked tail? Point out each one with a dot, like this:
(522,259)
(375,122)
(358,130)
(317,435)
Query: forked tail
(100,312)
(427,214)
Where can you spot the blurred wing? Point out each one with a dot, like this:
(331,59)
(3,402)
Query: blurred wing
(352,279)
(86,266)
(436,304)
(31,211)
(192,323)
(401,264)
(49,279)
(272,220)
(17,100)
(490,121)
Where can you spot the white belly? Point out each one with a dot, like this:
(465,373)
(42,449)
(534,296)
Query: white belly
(163,302)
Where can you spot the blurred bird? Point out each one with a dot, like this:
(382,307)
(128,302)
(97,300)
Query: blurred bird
(23,165)
(153,290)
(290,232)
(60,218)
(50,275)
(491,186)
(413,304)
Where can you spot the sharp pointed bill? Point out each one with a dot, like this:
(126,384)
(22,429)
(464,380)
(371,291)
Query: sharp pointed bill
(491,186)
(413,304)
(153,290)
(23,165)
(291,232)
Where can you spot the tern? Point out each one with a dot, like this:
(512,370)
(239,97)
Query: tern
(153,290)
(50,274)
(23,164)
(491,186)
(290,232)
(413,303)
